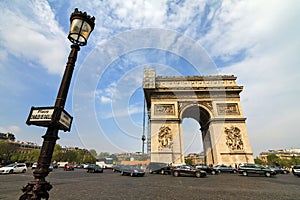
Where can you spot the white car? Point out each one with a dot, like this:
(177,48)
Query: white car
(34,165)
(13,168)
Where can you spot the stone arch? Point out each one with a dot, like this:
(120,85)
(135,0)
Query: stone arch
(213,101)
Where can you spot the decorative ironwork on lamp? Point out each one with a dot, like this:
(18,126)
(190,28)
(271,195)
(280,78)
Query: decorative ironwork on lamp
(80,28)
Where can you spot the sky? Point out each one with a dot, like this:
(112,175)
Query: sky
(256,41)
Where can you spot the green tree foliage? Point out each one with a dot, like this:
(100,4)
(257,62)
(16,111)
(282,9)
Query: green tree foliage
(93,152)
(7,151)
(57,153)
(259,161)
(273,160)
(189,161)
(103,155)
(88,158)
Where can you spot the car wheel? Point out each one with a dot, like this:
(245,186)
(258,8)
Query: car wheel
(11,171)
(150,171)
(24,170)
(198,174)
(245,173)
(131,174)
(176,173)
(213,172)
(234,171)
(122,173)
(267,174)
(162,172)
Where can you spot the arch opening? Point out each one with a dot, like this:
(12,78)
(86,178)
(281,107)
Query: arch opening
(195,120)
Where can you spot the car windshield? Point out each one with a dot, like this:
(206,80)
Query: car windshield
(297,167)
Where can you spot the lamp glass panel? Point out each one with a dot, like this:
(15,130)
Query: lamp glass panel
(86,30)
(80,31)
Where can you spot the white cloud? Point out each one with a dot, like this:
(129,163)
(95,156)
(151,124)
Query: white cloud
(104,99)
(269,73)
(10,129)
(29,31)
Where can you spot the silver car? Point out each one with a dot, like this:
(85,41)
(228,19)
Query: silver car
(296,170)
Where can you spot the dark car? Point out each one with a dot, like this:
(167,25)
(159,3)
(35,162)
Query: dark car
(225,169)
(92,168)
(279,170)
(296,170)
(209,170)
(255,169)
(132,171)
(159,168)
(117,168)
(185,170)
(69,167)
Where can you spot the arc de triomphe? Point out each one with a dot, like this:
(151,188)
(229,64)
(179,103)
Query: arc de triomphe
(213,101)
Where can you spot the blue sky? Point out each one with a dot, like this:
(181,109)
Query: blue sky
(257,41)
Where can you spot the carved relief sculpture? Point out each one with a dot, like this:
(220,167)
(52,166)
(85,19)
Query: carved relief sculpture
(228,109)
(164,138)
(164,109)
(234,138)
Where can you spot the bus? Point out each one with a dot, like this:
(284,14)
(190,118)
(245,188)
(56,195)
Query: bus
(105,163)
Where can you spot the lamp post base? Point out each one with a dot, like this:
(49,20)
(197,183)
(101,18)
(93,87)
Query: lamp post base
(36,190)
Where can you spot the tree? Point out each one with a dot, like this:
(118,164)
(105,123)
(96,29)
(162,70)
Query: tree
(189,161)
(7,150)
(57,153)
(103,155)
(273,159)
(93,152)
(259,161)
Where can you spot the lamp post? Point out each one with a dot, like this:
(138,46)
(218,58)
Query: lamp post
(55,118)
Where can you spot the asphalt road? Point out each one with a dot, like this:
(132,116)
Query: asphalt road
(79,185)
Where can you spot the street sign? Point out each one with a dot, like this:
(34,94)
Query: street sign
(50,116)
(65,120)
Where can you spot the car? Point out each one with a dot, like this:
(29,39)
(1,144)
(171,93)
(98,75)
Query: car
(159,168)
(55,166)
(132,171)
(117,168)
(279,170)
(94,169)
(51,167)
(209,170)
(296,170)
(13,168)
(86,165)
(69,167)
(79,166)
(225,169)
(186,170)
(248,168)
(34,165)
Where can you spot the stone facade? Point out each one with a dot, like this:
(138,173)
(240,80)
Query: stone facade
(213,101)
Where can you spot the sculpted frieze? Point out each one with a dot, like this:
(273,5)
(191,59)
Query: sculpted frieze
(164,109)
(228,109)
(165,138)
(234,138)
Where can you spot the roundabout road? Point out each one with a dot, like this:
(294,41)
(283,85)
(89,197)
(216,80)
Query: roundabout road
(78,185)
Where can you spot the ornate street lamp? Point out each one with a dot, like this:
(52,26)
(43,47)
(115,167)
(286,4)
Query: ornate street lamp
(56,118)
